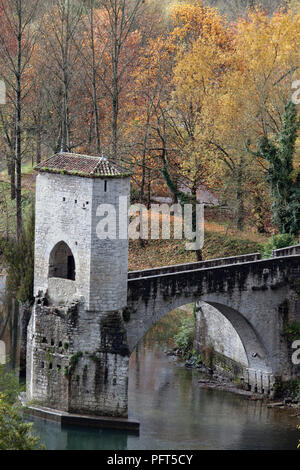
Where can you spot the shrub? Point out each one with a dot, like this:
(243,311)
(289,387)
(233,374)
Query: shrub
(292,331)
(15,434)
(185,337)
(277,242)
(18,256)
(134,195)
(9,385)
(288,389)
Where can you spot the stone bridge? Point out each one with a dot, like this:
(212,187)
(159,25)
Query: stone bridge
(258,297)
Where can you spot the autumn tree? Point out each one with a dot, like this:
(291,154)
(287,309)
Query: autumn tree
(147,98)
(122,21)
(18,16)
(203,57)
(6,116)
(57,56)
(175,83)
(94,63)
(234,9)
(251,102)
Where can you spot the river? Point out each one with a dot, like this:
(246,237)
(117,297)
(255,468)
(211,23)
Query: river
(176,413)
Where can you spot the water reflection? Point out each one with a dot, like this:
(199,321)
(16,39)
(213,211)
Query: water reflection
(177,414)
(69,438)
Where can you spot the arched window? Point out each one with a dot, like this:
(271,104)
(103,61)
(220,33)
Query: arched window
(62,262)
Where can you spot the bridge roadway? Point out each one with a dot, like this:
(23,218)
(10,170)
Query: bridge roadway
(283,252)
(194,266)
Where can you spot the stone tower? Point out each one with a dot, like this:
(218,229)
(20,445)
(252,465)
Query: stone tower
(77,358)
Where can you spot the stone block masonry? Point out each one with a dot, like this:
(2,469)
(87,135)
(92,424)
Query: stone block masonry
(78,361)
(66,211)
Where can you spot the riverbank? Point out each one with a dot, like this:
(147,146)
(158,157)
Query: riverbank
(219,380)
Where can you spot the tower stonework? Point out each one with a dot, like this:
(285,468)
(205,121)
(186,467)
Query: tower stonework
(77,354)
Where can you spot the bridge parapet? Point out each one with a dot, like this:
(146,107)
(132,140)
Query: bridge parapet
(288,251)
(195,266)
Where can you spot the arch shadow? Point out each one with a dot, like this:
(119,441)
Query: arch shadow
(255,351)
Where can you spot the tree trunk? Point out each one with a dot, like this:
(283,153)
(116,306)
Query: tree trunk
(149,190)
(199,255)
(38,142)
(94,83)
(146,136)
(19,131)
(240,198)
(12,174)
(12,162)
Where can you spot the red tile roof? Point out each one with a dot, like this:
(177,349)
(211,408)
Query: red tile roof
(82,165)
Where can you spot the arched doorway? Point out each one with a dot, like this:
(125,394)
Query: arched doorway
(62,262)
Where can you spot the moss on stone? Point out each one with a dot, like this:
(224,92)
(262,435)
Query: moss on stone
(80,174)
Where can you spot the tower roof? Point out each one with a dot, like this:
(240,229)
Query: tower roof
(82,165)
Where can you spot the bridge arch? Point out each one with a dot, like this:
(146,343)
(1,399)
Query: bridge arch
(62,262)
(253,345)
(147,311)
